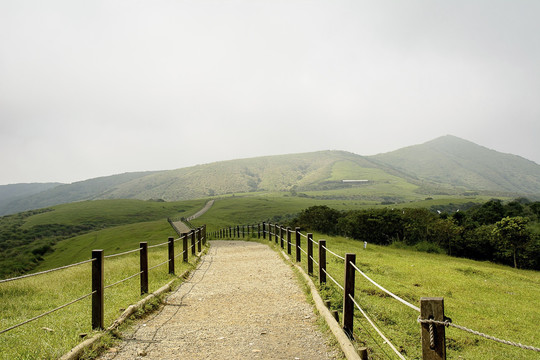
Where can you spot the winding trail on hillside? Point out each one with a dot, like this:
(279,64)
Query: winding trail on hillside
(182,228)
(241,302)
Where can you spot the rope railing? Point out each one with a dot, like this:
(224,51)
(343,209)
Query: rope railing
(46,271)
(281,236)
(98,286)
(46,313)
(333,253)
(122,253)
(334,280)
(386,291)
(448,323)
(123,280)
(386,341)
(158,245)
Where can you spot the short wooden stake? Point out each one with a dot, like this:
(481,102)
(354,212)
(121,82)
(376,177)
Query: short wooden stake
(144,267)
(97,289)
(348,304)
(185,246)
(433,335)
(310,253)
(171,255)
(322,261)
(298,245)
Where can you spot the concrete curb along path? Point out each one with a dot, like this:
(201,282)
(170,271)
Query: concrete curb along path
(243,301)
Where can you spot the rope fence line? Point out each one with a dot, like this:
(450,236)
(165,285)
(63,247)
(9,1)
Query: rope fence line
(333,253)
(121,281)
(386,341)
(334,280)
(160,264)
(47,313)
(122,253)
(46,271)
(157,245)
(489,337)
(282,234)
(180,238)
(386,291)
(97,276)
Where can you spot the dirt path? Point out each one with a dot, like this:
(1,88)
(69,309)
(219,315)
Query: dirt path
(242,302)
(183,228)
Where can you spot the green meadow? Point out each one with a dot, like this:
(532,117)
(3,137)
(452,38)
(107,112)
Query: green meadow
(490,298)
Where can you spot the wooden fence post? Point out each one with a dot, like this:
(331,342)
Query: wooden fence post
(171,255)
(298,245)
(185,246)
(263,231)
(276,233)
(310,253)
(193,249)
(288,240)
(237,231)
(433,335)
(98,287)
(144,267)
(204,235)
(199,240)
(259,231)
(322,261)
(348,292)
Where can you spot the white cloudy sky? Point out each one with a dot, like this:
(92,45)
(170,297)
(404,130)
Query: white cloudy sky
(94,88)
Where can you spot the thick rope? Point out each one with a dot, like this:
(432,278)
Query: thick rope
(333,253)
(47,313)
(122,253)
(121,281)
(153,246)
(334,280)
(386,291)
(46,271)
(377,329)
(448,323)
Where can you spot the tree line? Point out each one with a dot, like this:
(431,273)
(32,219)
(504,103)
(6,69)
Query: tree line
(506,233)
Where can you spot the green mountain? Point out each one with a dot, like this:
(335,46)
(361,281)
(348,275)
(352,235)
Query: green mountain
(444,166)
(449,160)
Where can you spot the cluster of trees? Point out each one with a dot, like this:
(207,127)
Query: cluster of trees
(507,233)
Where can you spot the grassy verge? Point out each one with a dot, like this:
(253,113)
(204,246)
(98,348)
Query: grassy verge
(55,334)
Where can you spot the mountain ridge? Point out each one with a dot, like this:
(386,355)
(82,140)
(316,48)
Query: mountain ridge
(445,165)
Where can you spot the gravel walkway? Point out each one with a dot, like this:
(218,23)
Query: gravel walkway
(242,302)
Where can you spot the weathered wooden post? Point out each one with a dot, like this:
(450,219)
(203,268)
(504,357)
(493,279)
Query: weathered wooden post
(289,240)
(97,289)
(199,240)
(298,245)
(322,261)
(144,267)
(310,253)
(185,246)
(281,239)
(276,233)
(237,231)
(433,335)
(348,294)
(259,231)
(193,249)
(263,230)
(171,255)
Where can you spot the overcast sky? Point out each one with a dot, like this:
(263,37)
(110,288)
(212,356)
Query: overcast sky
(95,88)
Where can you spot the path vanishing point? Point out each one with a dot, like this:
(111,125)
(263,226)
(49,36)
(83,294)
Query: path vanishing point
(241,302)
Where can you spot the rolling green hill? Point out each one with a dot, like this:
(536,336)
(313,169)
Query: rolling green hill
(456,162)
(444,166)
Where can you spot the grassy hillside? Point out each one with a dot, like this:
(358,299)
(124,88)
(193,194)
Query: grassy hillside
(460,163)
(27,238)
